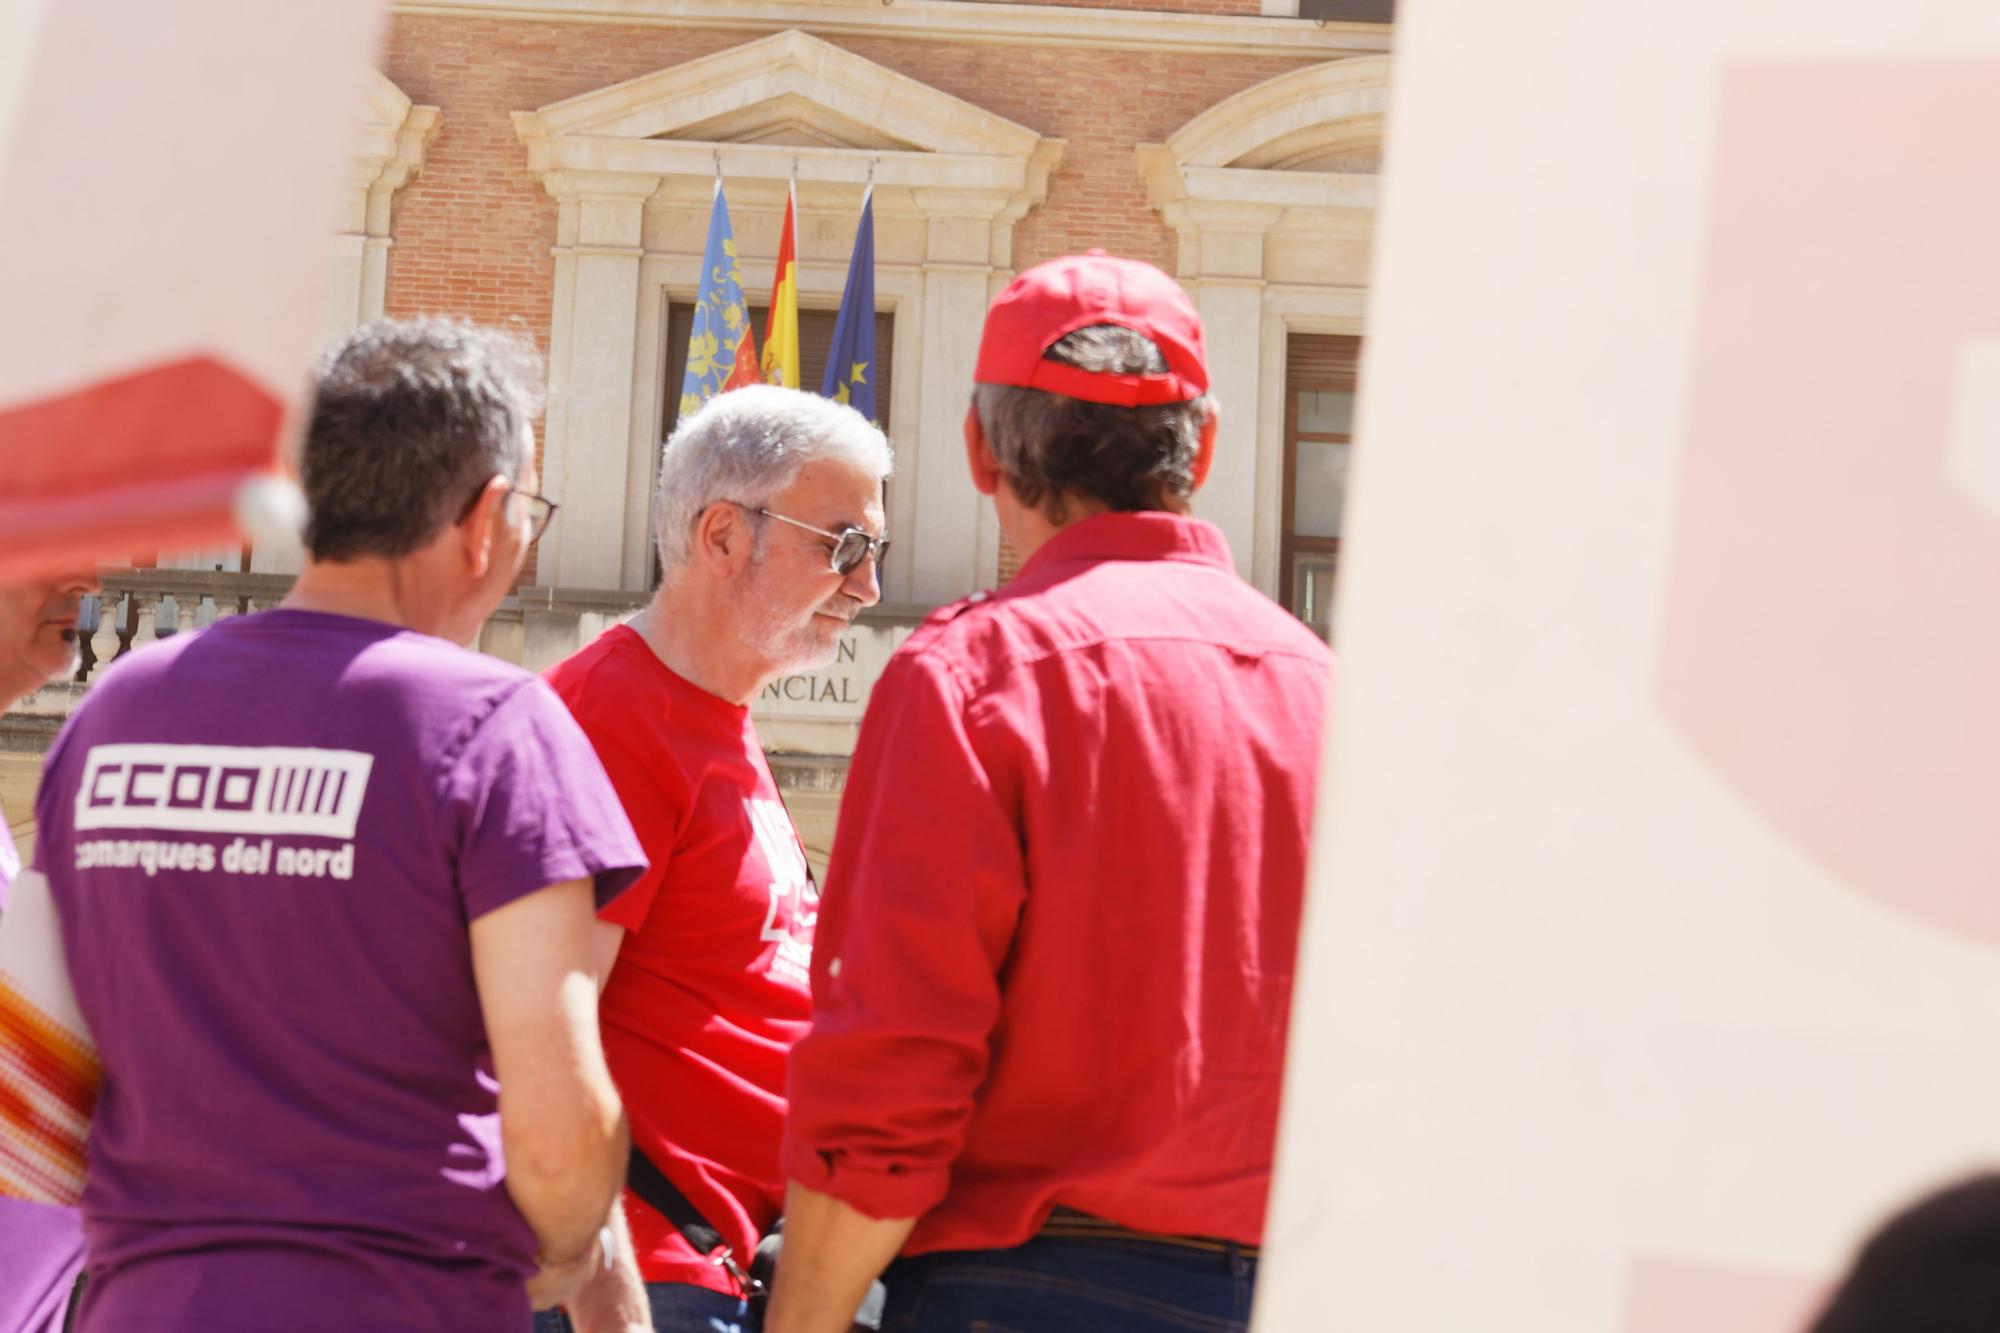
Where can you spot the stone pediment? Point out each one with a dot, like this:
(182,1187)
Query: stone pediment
(393,132)
(786,90)
(792,119)
(1301,145)
(634,169)
(1293,121)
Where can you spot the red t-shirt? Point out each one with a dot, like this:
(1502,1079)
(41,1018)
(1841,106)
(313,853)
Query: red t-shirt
(710,988)
(1055,965)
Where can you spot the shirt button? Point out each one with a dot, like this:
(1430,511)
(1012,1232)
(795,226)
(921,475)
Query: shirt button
(833,968)
(979,597)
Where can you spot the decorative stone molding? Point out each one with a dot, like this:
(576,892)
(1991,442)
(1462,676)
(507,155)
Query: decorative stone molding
(953,21)
(1271,195)
(1238,130)
(632,168)
(390,150)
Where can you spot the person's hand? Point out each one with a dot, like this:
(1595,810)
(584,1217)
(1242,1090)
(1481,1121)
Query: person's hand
(551,1287)
(557,1282)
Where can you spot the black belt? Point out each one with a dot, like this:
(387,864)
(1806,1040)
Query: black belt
(1069,1224)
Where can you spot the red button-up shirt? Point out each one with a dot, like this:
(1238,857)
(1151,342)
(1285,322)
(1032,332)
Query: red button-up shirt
(1055,950)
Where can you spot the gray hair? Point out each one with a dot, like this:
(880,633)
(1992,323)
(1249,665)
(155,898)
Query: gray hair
(748,445)
(1126,458)
(410,418)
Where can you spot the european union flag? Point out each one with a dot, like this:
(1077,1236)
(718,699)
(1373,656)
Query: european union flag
(850,365)
(722,351)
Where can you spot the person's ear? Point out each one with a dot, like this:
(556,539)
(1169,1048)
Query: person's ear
(979,455)
(1204,453)
(723,539)
(481,523)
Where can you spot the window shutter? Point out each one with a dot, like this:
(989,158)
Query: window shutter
(1349,11)
(1322,362)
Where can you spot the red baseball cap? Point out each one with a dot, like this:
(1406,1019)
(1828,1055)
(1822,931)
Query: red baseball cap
(1053,300)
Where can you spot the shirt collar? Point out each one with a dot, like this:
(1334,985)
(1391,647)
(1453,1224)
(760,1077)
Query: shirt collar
(1150,535)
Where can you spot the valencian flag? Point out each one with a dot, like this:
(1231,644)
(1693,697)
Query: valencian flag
(147,372)
(781,326)
(850,366)
(722,349)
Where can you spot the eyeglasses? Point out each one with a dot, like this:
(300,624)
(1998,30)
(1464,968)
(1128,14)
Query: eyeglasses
(541,509)
(850,545)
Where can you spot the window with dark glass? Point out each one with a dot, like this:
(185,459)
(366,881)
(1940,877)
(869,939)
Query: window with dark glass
(1320,376)
(815,341)
(1349,11)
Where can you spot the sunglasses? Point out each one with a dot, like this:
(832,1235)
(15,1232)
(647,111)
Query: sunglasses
(850,545)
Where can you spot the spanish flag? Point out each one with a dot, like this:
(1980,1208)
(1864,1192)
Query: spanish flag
(781,327)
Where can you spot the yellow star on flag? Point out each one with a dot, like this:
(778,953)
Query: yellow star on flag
(856,376)
(840,393)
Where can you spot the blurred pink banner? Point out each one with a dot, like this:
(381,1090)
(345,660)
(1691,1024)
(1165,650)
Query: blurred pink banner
(1669,1295)
(166,200)
(1830,647)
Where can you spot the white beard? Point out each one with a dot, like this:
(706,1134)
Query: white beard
(789,642)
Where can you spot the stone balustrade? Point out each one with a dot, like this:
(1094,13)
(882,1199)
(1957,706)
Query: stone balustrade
(813,717)
(141,606)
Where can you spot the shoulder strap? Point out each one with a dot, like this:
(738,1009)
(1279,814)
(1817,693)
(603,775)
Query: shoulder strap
(651,1184)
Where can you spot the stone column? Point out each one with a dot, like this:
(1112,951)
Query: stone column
(389,157)
(593,335)
(342,310)
(373,285)
(1229,292)
(957,277)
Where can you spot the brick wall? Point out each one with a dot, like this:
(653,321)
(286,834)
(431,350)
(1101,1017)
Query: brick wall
(473,231)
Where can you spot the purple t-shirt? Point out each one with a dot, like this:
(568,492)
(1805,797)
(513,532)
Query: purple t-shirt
(41,1247)
(265,841)
(10,859)
(41,1250)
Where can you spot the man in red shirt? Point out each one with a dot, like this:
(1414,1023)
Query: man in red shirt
(769,524)
(1054,963)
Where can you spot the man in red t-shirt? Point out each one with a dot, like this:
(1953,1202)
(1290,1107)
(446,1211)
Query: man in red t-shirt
(1054,966)
(769,526)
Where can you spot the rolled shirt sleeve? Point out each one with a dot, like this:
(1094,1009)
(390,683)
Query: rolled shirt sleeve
(920,908)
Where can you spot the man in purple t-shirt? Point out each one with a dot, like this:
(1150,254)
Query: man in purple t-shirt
(323,877)
(41,1246)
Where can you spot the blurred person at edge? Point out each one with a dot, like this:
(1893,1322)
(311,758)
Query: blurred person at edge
(41,1247)
(769,521)
(1055,954)
(324,875)
(1934,1267)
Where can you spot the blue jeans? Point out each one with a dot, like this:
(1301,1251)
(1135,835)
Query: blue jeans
(1063,1285)
(679,1308)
